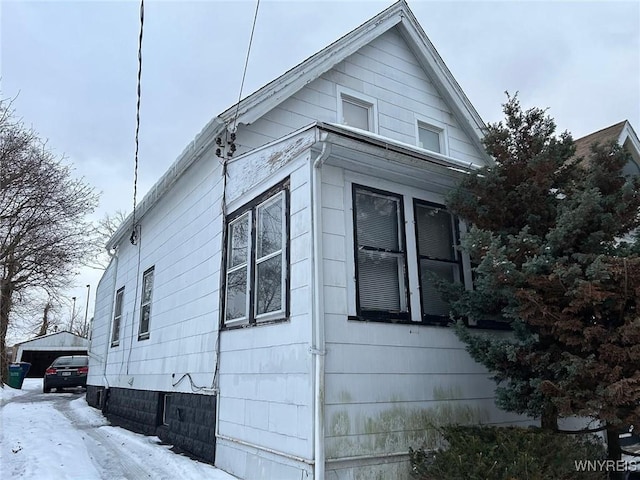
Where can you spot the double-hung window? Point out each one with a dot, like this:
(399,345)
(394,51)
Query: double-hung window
(256,261)
(436,234)
(117,318)
(145,304)
(381,257)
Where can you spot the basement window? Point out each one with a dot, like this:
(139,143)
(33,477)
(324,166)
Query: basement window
(257,260)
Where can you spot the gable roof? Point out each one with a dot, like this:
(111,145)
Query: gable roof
(606,135)
(263,100)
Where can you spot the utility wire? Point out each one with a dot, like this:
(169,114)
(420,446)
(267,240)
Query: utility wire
(139,94)
(246,63)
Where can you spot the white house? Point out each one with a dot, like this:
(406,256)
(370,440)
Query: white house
(274,315)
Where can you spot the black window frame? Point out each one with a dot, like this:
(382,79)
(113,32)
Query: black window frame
(283,314)
(147,333)
(382,315)
(428,318)
(117,317)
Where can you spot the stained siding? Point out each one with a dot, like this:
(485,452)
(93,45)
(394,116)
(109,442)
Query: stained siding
(386,383)
(386,70)
(180,238)
(266,370)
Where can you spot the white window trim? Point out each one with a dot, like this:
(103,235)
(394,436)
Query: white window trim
(408,194)
(115,340)
(264,317)
(343,93)
(435,126)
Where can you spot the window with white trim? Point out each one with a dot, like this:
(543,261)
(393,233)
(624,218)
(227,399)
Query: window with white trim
(398,263)
(117,317)
(356,110)
(380,254)
(145,304)
(256,261)
(432,136)
(437,235)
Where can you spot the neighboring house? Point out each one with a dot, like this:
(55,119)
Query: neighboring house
(275,315)
(40,352)
(621,133)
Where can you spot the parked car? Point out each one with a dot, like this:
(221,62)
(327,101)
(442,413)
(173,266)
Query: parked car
(66,372)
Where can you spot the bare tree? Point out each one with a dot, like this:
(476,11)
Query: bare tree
(102,231)
(43,226)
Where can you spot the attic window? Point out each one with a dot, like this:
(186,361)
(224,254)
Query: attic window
(356,110)
(431,136)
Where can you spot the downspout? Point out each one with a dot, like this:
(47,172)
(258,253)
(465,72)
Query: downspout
(318,346)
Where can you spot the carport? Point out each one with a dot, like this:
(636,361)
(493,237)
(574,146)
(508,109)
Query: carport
(41,351)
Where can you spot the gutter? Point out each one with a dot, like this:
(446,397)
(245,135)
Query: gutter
(318,343)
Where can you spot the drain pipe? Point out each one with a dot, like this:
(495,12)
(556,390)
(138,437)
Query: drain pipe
(318,346)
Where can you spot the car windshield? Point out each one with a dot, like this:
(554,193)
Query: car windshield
(67,361)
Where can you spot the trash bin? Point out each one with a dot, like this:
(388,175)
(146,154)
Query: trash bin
(17,372)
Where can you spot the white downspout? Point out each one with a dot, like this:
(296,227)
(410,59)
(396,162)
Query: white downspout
(318,347)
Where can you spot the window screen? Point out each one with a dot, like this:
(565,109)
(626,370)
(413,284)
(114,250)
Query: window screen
(380,252)
(437,256)
(356,114)
(428,138)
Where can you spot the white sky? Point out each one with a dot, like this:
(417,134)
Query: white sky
(73,67)
(58,436)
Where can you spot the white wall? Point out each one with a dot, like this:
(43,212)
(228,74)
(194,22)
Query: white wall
(266,370)
(386,384)
(100,334)
(180,237)
(387,71)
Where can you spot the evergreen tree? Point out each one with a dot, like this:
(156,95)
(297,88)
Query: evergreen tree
(546,241)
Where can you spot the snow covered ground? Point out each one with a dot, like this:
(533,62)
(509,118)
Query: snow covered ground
(58,436)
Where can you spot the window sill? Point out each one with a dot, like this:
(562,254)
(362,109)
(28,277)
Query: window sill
(143,336)
(258,323)
(115,344)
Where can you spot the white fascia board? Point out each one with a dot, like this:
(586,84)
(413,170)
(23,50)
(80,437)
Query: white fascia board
(628,133)
(432,62)
(271,95)
(188,156)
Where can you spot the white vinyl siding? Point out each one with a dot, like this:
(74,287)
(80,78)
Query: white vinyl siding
(385,70)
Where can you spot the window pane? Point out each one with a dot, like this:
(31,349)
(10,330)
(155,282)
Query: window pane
(147,286)
(379,280)
(435,233)
(428,139)
(377,221)
(236,303)
(269,285)
(270,228)
(355,115)
(144,318)
(118,309)
(432,302)
(239,241)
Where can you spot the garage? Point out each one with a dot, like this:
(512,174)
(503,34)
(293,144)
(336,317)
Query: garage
(41,351)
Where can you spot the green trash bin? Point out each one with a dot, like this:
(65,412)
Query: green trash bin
(17,372)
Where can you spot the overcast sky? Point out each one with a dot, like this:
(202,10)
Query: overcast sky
(73,65)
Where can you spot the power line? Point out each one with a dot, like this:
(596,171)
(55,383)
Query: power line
(134,235)
(246,63)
